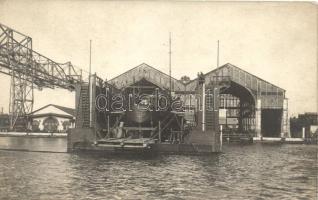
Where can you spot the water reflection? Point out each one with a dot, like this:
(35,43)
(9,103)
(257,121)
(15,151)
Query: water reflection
(241,172)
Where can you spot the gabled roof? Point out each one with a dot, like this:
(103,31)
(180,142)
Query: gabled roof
(149,73)
(67,110)
(233,66)
(139,66)
(161,79)
(70,111)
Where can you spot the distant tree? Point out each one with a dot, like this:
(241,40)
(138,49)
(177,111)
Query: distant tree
(185,79)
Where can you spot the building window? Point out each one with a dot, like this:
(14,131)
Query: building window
(35,125)
(66,125)
(50,124)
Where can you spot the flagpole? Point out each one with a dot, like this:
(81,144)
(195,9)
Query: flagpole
(90,84)
(170,62)
(218,55)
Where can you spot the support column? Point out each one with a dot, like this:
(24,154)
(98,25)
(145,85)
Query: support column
(217,145)
(203,107)
(77,96)
(284,124)
(258,118)
(92,95)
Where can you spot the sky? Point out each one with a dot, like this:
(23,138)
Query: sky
(273,40)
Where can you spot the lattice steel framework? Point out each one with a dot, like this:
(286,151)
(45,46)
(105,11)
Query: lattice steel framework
(28,70)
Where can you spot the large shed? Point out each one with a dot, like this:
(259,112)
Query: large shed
(248,103)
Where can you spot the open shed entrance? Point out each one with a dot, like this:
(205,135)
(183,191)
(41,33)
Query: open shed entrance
(237,110)
(271,122)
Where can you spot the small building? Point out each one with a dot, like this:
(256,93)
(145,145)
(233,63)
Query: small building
(52,118)
(308,120)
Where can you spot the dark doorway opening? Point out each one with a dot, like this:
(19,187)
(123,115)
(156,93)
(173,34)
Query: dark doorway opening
(271,122)
(237,105)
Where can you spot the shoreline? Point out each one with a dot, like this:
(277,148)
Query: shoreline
(33,135)
(255,139)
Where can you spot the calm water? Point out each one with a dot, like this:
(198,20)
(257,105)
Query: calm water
(241,172)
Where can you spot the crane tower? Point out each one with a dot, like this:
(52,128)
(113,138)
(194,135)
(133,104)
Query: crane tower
(29,69)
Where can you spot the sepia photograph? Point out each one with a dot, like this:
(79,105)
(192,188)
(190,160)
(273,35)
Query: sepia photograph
(188,99)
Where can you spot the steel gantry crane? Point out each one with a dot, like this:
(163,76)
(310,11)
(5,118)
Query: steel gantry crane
(28,70)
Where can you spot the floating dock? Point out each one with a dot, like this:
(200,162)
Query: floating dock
(145,109)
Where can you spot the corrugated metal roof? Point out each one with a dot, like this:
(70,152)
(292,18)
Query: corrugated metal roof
(127,78)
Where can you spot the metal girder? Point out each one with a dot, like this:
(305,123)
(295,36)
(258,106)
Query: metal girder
(29,69)
(16,50)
